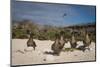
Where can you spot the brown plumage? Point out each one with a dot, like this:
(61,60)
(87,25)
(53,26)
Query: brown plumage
(86,43)
(87,40)
(73,42)
(58,45)
(62,42)
(31,42)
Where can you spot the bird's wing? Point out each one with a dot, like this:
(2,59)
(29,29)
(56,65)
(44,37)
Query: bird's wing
(34,43)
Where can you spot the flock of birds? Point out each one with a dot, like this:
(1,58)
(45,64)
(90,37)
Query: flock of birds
(60,41)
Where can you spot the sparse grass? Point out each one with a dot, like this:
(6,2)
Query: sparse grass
(47,32)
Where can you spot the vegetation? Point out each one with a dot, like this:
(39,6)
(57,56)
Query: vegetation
(46,32)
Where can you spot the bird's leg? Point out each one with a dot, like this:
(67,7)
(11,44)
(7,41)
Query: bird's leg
(34,48)
(88,48)
(56,53)
(83,50)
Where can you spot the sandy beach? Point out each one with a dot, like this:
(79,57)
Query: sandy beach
(21,55)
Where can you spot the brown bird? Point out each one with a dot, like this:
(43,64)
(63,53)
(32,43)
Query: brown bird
(86,43)
(62,39)
(31,42)
(73,41)
(58,45)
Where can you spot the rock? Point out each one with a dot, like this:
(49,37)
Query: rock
(67,45)
(79,43)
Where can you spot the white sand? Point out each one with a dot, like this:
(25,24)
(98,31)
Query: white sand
(21,55)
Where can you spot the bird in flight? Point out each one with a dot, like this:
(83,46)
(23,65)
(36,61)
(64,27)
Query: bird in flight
(64,14)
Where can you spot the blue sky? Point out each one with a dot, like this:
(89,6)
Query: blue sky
(53,14)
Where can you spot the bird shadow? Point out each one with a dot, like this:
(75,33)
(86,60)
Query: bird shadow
(46,52)
(51,53)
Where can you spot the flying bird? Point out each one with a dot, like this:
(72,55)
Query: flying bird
(64,14)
